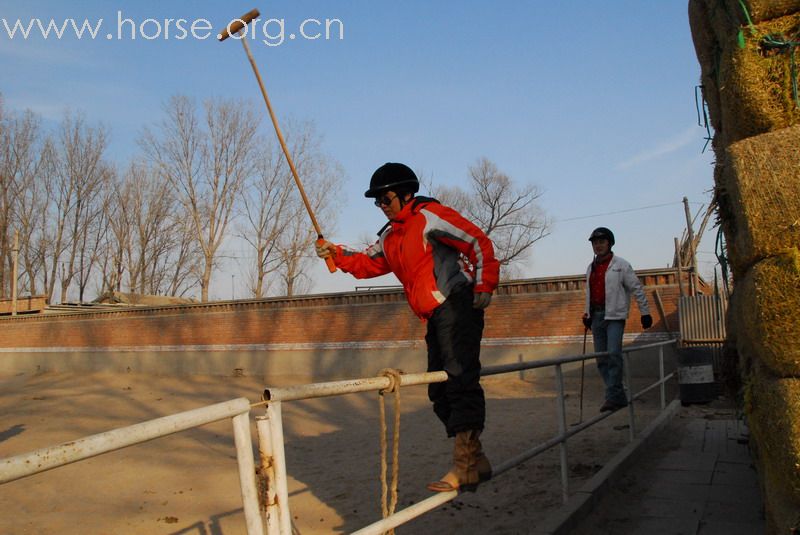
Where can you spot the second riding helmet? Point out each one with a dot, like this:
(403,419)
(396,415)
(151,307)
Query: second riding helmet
(602,232)
(392,176)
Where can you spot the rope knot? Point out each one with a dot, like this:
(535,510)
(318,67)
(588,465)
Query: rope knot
(393,374)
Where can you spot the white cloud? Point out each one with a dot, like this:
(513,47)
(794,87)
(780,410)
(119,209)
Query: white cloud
(673,144)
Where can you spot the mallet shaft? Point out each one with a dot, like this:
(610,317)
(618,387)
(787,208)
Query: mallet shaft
(233,28)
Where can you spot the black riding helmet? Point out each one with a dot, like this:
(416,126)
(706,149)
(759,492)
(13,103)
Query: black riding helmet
(602,232)
(392,176)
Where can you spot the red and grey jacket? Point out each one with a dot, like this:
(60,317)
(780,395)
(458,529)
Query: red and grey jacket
(433,250)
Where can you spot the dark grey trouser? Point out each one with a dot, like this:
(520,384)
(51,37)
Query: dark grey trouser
(454,344)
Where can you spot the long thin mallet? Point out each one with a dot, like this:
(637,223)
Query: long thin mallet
(236,26)
(583,366)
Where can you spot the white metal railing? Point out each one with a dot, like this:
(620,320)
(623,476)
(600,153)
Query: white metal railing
(271,440)
(278,514)
(238,410)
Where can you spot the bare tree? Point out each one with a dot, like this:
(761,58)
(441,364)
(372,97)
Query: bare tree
(266,204)
(276,224)
(509,214)
(180,277)
(79,174)
(206,164)
(19,164)
(322,177)
(147,238)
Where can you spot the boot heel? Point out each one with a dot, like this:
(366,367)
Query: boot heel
(468,487)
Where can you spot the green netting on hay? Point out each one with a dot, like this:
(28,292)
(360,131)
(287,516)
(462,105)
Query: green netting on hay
(756,79)
(767,318)
(773,409)
(759,193)
(708,53)
(756,11)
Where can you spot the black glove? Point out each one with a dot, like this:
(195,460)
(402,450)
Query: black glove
(587,322)
(647,321)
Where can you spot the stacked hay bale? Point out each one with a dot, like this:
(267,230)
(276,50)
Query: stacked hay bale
(749,53)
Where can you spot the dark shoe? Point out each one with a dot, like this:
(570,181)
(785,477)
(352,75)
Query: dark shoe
(610,405)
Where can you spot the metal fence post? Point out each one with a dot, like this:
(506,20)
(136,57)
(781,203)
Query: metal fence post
(626,364)
(661,377)
(267,486)
(247,473)
(562,430)
(279,466)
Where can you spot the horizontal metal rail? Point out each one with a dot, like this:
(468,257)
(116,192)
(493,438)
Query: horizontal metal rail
(275,396)
(372,384)
(41,460)
(44,459)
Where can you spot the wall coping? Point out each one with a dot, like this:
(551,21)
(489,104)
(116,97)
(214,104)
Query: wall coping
(558,284)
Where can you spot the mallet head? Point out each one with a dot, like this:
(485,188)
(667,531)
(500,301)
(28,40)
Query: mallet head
(236,25)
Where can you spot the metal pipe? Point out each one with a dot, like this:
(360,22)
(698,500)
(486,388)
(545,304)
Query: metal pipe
(562,429)
(650,387)
(274,415)
(247,474)
(661,378)
(409,513)
(370,384)
(266,455)
(543,363)
(626,366)
(26,464)
(638,347)
(333,388)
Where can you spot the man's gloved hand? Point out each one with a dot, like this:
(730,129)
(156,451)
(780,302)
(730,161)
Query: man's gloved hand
(325,249)
(587,321)
(481,300)
(647,321)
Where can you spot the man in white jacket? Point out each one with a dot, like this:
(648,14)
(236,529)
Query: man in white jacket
(610,281)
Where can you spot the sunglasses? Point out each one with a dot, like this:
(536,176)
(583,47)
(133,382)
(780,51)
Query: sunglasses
(384,200)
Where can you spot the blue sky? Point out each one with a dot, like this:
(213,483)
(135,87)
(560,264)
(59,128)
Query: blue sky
(591,101)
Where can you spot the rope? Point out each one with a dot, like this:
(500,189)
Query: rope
(394,387)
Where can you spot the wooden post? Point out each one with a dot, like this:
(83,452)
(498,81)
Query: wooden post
(678,261)
(661,311)
(693,257)
(15,252)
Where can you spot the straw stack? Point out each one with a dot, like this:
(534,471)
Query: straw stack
(761,10)
(767,314)
(747,86)
(773,406)
(761,179)
(747,78)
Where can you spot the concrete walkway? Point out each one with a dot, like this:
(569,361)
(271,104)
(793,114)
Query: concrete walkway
(692,476)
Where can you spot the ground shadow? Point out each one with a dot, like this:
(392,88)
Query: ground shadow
(12,432)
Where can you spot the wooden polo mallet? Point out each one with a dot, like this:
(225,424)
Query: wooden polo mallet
(235,27)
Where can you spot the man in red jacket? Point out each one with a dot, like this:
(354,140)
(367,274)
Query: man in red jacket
(448,270)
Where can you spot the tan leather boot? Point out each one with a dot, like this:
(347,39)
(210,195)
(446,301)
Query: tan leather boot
(464,474)
(482,464)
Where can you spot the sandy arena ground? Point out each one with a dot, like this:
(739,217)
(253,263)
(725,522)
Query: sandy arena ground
(187,483)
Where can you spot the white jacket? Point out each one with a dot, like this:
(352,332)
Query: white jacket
(621,282)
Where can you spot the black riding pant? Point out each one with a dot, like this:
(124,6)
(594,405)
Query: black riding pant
(454,338)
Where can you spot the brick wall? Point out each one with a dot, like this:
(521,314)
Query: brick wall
(523,313)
